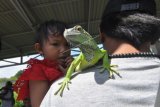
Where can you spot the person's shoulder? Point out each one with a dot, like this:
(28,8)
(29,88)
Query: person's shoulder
(34,67)
(35,63)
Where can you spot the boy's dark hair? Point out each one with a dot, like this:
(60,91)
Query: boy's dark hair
(49,27)
(134,26)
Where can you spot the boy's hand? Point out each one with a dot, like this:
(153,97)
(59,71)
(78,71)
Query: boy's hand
(68,61)
(64,63)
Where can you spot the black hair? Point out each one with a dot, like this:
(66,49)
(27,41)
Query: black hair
(8,83)
(49,27)
(136,28)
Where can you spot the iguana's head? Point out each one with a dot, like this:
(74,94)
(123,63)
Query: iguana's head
(78,37)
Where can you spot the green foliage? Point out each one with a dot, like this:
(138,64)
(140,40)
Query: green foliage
(17,103)
(18,73)
(3,80)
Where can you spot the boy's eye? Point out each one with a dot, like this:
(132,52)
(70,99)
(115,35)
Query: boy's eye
(55,44)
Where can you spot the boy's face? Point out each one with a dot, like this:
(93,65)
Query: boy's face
(55,47)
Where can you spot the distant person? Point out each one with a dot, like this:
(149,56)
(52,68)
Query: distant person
(6,95)
(127,29)
(35,81)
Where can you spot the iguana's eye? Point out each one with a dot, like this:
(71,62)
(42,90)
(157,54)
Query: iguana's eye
(79,28)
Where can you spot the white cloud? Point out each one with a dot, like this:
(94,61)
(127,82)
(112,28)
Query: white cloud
(7,72)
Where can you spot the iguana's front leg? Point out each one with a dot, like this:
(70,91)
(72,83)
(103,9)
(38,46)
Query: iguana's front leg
(106,66)
(67,78)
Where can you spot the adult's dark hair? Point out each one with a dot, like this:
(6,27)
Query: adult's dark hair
(131,20)
(136,28)
(49,27)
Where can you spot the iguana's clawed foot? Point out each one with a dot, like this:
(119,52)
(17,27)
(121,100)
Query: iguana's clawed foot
(63,84)
(113,66)
(110,70)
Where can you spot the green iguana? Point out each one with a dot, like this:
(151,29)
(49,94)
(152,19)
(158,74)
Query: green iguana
(89,56)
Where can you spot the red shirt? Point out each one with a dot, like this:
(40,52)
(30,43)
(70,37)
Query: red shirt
(36,70)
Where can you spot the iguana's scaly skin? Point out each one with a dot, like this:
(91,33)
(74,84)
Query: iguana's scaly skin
(89,56)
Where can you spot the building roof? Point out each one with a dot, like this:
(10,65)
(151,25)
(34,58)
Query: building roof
(19,18)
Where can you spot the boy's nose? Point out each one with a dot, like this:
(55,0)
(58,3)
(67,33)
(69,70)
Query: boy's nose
(65,51)
(62,49)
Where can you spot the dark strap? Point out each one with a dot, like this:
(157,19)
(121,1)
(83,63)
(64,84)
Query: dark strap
(130,55)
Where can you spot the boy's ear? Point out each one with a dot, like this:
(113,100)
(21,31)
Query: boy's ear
(38,48)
